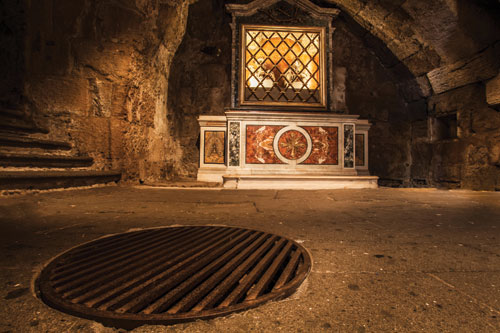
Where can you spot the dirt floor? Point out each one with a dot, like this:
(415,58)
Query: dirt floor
(402,260)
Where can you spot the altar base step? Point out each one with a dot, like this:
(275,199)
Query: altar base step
(298,182)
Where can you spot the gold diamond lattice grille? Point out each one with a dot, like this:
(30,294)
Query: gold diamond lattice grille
(282,66)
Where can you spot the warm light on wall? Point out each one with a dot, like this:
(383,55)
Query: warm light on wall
(282,65)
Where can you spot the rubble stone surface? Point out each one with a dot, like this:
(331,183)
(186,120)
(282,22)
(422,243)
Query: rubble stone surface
(385,259)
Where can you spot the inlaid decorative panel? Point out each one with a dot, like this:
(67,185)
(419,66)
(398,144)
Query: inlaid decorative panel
(360,150)
(234,144)
(214,147)
(324,145)
(262,144)
(348,146)
(259,144)
(292,145)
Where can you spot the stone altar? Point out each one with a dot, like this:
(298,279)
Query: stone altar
(289,150)
(286,128)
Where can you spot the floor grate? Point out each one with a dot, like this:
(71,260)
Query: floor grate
(173,274)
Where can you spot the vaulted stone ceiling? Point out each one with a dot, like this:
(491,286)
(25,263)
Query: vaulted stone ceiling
(429,35)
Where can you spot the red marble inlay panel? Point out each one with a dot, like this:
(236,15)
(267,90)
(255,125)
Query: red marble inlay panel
(324,145)
(259,144)
(292,145)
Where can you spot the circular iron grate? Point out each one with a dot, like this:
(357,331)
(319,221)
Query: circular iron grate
(173,274)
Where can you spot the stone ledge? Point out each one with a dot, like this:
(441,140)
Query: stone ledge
(28,180)
(29,142)
(44,161)
(480,67)
(298,182)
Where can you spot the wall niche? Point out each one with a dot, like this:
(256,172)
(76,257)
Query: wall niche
(200,84)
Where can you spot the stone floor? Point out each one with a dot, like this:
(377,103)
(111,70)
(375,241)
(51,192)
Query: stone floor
(402,260)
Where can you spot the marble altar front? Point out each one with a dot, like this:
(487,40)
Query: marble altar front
(275,149)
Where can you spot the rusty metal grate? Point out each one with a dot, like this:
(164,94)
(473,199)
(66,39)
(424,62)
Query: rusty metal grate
(173,274)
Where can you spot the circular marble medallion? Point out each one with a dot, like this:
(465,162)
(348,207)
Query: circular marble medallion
(292,145)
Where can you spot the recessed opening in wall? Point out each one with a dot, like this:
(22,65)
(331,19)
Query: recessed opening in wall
(282,65)
(444,127)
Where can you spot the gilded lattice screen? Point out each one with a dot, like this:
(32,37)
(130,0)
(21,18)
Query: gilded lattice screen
(282,66)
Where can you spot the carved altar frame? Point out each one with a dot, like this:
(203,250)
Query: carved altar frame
(322,65)
(324,15)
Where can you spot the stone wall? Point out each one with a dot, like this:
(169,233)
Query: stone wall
(97,74)
(445,55)
(470,156)
(372,92)
(12,31)
(103,75)
(200,77)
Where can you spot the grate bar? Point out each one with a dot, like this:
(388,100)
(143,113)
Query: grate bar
(196,295)
(221,290)
(100,248)
(289,270)
(114,287)
(248,280)
(90,261)
(135,286)
(266,279)
(114,239)
(135,268)
(171,297)
(78,277)
(168,280)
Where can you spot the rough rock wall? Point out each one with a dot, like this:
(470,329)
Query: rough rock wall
(372,92)
(470,156)
(200,76)
(446,57)
(12,31)
(97,72)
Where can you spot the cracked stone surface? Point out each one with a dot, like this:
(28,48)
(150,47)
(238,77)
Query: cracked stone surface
(383,260)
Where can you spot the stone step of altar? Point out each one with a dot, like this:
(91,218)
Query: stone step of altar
(298,182)
(183,183)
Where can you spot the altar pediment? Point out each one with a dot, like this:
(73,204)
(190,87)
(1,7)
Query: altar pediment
(254,6)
